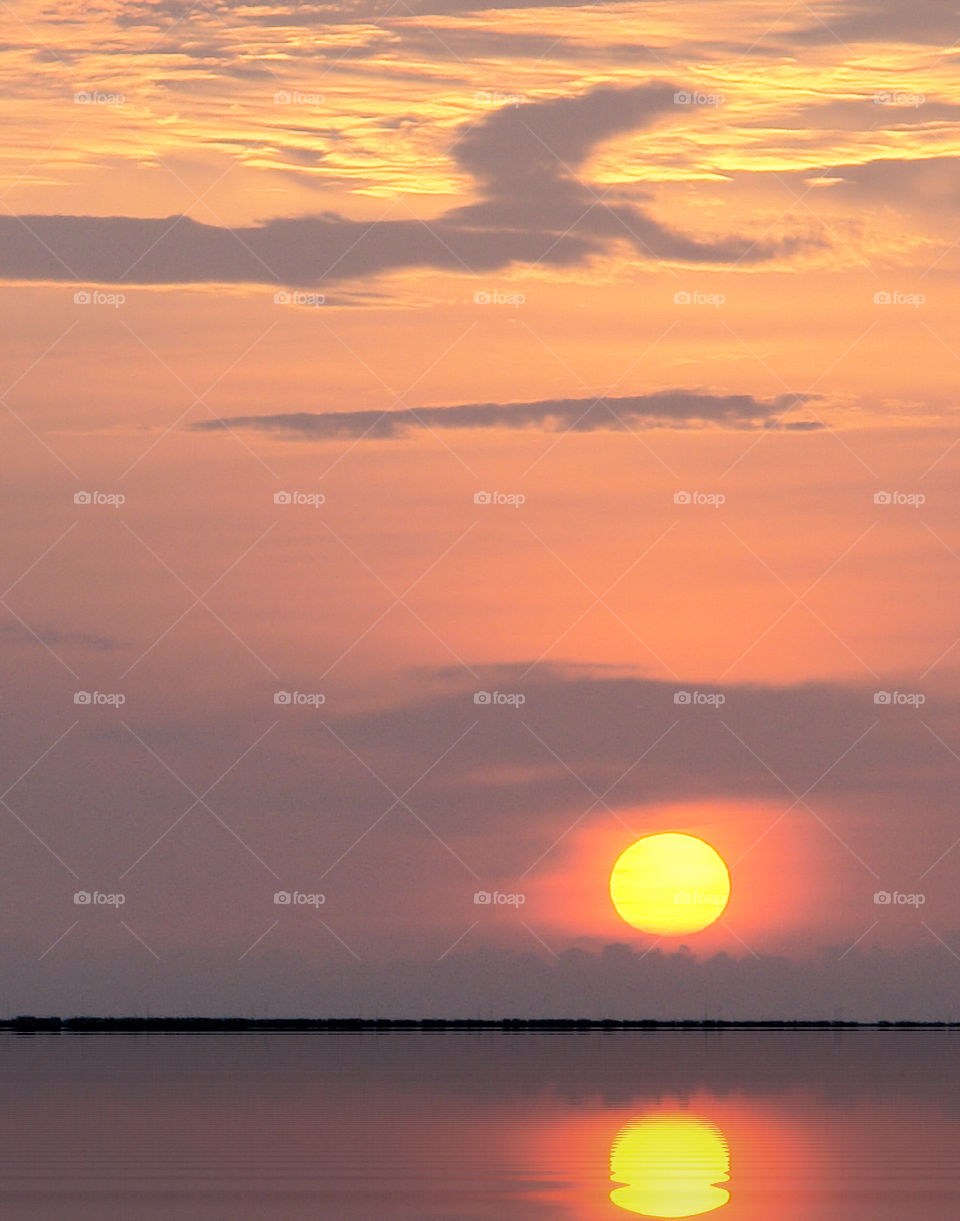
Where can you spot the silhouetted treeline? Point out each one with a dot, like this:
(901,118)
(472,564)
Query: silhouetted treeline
(31,1024)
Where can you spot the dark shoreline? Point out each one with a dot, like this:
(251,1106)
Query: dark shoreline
(32,1025)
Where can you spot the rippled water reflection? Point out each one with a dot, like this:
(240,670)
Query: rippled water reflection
(747,1125)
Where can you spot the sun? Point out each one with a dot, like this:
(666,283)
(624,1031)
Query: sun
(670,884)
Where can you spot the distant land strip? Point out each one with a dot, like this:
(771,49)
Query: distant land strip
(32,1025)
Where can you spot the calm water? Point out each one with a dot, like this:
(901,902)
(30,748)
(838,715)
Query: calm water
(748,1125)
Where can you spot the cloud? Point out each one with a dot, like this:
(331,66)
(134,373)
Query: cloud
(319,15)
(470,42)
(616,981)
(502,777)
(533,209)
(926,22)
(526,159)
(533,144)
(598,723)
(301,251)
(665,983)
(921,183)
(666,409)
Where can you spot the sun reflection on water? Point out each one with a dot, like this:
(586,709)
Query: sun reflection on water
(670,1165)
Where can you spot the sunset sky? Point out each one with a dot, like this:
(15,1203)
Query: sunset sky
(601,358)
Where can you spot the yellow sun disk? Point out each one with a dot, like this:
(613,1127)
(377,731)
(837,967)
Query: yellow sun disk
(670,884)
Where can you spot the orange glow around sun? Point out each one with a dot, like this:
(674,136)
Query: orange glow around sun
(778,876)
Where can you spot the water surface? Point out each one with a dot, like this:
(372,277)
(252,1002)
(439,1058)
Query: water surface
(743,1125)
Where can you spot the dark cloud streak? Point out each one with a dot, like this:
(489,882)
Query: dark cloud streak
(667,409)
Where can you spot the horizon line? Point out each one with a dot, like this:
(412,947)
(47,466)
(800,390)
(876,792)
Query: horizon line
(28,1023)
